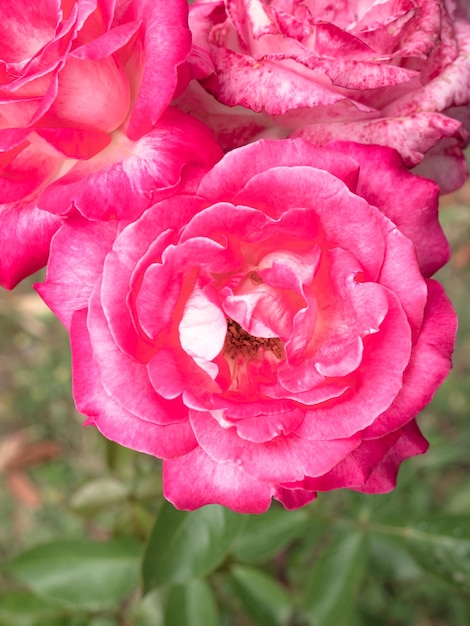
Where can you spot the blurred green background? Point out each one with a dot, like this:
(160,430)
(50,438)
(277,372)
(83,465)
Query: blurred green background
(348,559)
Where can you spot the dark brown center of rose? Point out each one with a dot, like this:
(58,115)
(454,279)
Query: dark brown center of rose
(240,343)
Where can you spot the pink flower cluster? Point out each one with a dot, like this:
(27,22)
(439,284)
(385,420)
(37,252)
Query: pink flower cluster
(262,320)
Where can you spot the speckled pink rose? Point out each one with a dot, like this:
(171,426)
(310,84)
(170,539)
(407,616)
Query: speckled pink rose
(271,333)
(394,73)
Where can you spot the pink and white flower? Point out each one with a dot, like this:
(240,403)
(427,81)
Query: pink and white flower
(272,332)
(389,73)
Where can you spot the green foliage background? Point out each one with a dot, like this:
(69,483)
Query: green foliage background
(87,540)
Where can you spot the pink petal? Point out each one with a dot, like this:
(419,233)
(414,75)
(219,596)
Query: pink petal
(136,295)
(166,375)
(202,16)
(375,385)
(25,238)
(401,274)
(294,498)
(107,8)
(25,172)
(386,183)
(26,27)
(160,286)
(127,177)
(259,313)
(318,390)
(444,163)
(237,167)
(251,19)
(343,73)
(11,138)
(451,87)
(195,480)
(422,32)
(236,408)
(429,364)
(121,299)
(161,24)
(232,126)
(110,417)
(108,43)
(354,470)
(266,86)
(384,477)
(93,93)
(263,428)
(329,41)
(76,143)
(457,8)
(373,466)
(71,274)
(172,373)
(411,135)
(283,459)
(347,220)
(222,219)
(125,379)
(271,307)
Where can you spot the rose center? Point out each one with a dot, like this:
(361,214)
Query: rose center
(240,343)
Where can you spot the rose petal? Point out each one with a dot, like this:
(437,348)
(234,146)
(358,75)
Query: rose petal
(195,480)
(266,86)
(157,88)
(25,238)
(375,385)
(375,184)
(127,177)
(283,459)
(110,417)
(429,364)
(71,275)
(226,178)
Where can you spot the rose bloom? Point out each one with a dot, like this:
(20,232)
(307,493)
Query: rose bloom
(272,333)
(394,73)
(84,91)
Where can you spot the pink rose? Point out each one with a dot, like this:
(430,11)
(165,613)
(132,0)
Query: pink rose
(389,73)
(271,334)
(84,91)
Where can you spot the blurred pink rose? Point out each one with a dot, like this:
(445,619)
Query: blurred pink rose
(273,333)
(84,91)
(394,73)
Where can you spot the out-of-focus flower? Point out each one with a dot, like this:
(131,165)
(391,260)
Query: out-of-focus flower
(84,91)
(394,73)
(270,334)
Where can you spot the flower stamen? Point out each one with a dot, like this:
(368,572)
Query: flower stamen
(240,343)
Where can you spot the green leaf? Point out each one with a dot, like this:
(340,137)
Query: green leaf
(334,583)
(263,598)
(97,494)
(191,604)
(264,535)
(148,611)
(84,574)
(441,545)
(391,558)
(185,545)
(22,608)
